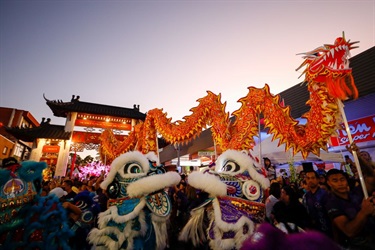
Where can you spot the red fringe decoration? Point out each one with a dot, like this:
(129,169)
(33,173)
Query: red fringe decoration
(339,88)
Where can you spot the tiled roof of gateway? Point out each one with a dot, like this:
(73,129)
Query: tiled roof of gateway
(363,74)
(61,109)
(45,130)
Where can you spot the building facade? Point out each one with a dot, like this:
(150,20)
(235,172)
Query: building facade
(54,143)
(9,144)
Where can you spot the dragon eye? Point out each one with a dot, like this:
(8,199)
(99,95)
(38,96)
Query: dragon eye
(132,168)
(230,166)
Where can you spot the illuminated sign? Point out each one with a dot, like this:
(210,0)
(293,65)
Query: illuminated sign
(103,124)
(362,130)
(51,149)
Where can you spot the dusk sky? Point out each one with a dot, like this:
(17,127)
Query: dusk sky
(163,54)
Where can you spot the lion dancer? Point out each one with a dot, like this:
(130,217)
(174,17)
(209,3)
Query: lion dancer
(138,206)
(27,220)
(235,206)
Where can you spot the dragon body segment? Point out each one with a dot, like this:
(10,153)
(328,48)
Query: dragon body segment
(329,80)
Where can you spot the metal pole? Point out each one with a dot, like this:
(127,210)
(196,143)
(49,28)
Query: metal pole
(260,141)
(215,150)
(178,155)
(355,156)
(157,148)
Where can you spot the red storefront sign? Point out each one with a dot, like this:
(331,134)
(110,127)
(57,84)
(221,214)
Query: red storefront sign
(103,124)
(51,149)
(362,130)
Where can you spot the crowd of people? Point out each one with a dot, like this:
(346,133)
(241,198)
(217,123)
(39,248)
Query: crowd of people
(332,203)
(83,200)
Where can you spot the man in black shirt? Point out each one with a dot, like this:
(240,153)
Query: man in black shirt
(67,186)
(315,200)
(350,213)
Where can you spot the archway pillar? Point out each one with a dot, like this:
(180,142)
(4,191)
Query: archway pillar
(62,160)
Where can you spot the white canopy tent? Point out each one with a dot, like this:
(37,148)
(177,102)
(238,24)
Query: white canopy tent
(278,156)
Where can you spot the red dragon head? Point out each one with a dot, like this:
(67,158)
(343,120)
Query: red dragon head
(329,64)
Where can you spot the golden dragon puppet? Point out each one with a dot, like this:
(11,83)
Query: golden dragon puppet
(328,77)
(235,187)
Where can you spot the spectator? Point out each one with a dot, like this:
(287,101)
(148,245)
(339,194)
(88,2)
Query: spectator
(67,185)
(181,204)
(350,213)
(322,179)
(321,168)
(179,214)
(301,175)
(271,171)
(45,188)
(281,181)
(290,210)
(274,196)
(45,191)
(52,184)
(200,198)
(369,177)
(349,166)
(191,193)
(315,201)
(295,188)
(366,157)
(367,167)
(302,188)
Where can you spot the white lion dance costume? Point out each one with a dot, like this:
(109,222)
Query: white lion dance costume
(235,205)
(138,208)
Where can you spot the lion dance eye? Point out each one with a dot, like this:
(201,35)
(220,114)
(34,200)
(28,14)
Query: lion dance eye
(132,168)
(230,166)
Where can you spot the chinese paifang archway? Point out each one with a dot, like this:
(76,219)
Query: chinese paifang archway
(328,77)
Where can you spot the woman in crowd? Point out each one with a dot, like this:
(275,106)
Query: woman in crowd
(290,212)
(272,199)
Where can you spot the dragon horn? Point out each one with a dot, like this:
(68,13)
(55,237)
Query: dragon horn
(353,47)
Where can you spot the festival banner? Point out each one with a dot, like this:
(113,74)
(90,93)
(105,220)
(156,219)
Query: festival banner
(51,149)
(362,130)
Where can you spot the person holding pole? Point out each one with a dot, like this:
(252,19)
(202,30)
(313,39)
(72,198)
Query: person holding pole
(352,214)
